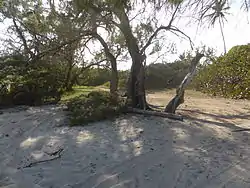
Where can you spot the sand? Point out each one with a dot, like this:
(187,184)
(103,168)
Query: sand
(39,149)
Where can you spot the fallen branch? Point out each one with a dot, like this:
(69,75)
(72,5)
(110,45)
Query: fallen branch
(57,155)
(240,130)
(155,113)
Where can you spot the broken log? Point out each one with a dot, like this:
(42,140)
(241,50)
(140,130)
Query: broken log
(155,113)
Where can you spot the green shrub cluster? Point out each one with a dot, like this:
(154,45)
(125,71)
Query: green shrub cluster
(96,106)
(29,84)
(228,76)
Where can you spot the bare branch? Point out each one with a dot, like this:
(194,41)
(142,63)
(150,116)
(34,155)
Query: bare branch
(57,48)
(20,34)
(173,28)
(159,29)
(139,13)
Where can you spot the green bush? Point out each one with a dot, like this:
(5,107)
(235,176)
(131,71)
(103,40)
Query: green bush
(96,106)
(228,75)
(30,84)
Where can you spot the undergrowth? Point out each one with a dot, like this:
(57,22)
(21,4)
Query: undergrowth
(94,106)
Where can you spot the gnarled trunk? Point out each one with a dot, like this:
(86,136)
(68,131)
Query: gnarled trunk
(114,71)
(67,83)
(136,96)
(136,91)
(114,79)
(179,97)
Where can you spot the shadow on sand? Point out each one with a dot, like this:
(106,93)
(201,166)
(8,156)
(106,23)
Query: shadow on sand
(131,151)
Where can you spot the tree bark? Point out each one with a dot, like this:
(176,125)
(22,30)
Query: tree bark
(136,96)
(180,91)
(114,72)
(68,84)
(223,37)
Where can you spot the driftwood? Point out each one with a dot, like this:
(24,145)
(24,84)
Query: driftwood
(155,113)
(179,97)
(56,154)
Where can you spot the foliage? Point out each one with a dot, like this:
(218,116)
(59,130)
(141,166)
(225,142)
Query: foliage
(76,92)
(219,11)
(168,75)
(96,106)
(30,84)
(60,41)
(228,75)
(94,77)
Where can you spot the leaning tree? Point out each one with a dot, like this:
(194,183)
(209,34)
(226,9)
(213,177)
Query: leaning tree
(138,22)
(134,27)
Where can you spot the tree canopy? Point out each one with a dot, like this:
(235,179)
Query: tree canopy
(76,35)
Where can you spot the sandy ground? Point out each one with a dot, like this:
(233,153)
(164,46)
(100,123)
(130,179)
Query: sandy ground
(38,149)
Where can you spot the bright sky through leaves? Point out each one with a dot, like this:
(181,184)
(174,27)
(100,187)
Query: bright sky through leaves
(236,32)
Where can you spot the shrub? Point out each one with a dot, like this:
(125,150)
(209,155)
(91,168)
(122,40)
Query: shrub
(228,75)
(30,84)
(96,106)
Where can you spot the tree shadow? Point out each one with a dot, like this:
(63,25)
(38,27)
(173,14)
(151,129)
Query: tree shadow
(216,119)
(130,151)
(219,116)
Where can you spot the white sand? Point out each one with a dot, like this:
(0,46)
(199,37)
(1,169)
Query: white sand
(129,152)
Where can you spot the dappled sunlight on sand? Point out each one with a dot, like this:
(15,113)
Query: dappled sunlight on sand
(128,131)
(184,148)
(84,136)
(130,151)
(181,132)
(29,142)
(138,145)
(37,155)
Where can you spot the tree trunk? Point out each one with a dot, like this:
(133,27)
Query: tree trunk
(136,96)
(180,91)
(223,37)
(114,72)
(114,80)
(67,84)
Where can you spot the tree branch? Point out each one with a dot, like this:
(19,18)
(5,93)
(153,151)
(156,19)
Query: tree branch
(20,34)
(57,48)
(173,28)
(168,27)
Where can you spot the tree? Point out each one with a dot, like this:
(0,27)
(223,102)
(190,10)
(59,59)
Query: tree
(119,12)
(219,11)
(38,29)
(228,75)
(179,97)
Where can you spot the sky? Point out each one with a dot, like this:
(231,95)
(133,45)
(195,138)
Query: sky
(236,32)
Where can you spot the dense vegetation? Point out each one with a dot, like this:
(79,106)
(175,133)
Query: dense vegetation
(49,49)
(95,106)
(34,84)
(228,75)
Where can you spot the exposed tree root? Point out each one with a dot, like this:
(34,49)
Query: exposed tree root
(155,113)
(155,106)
